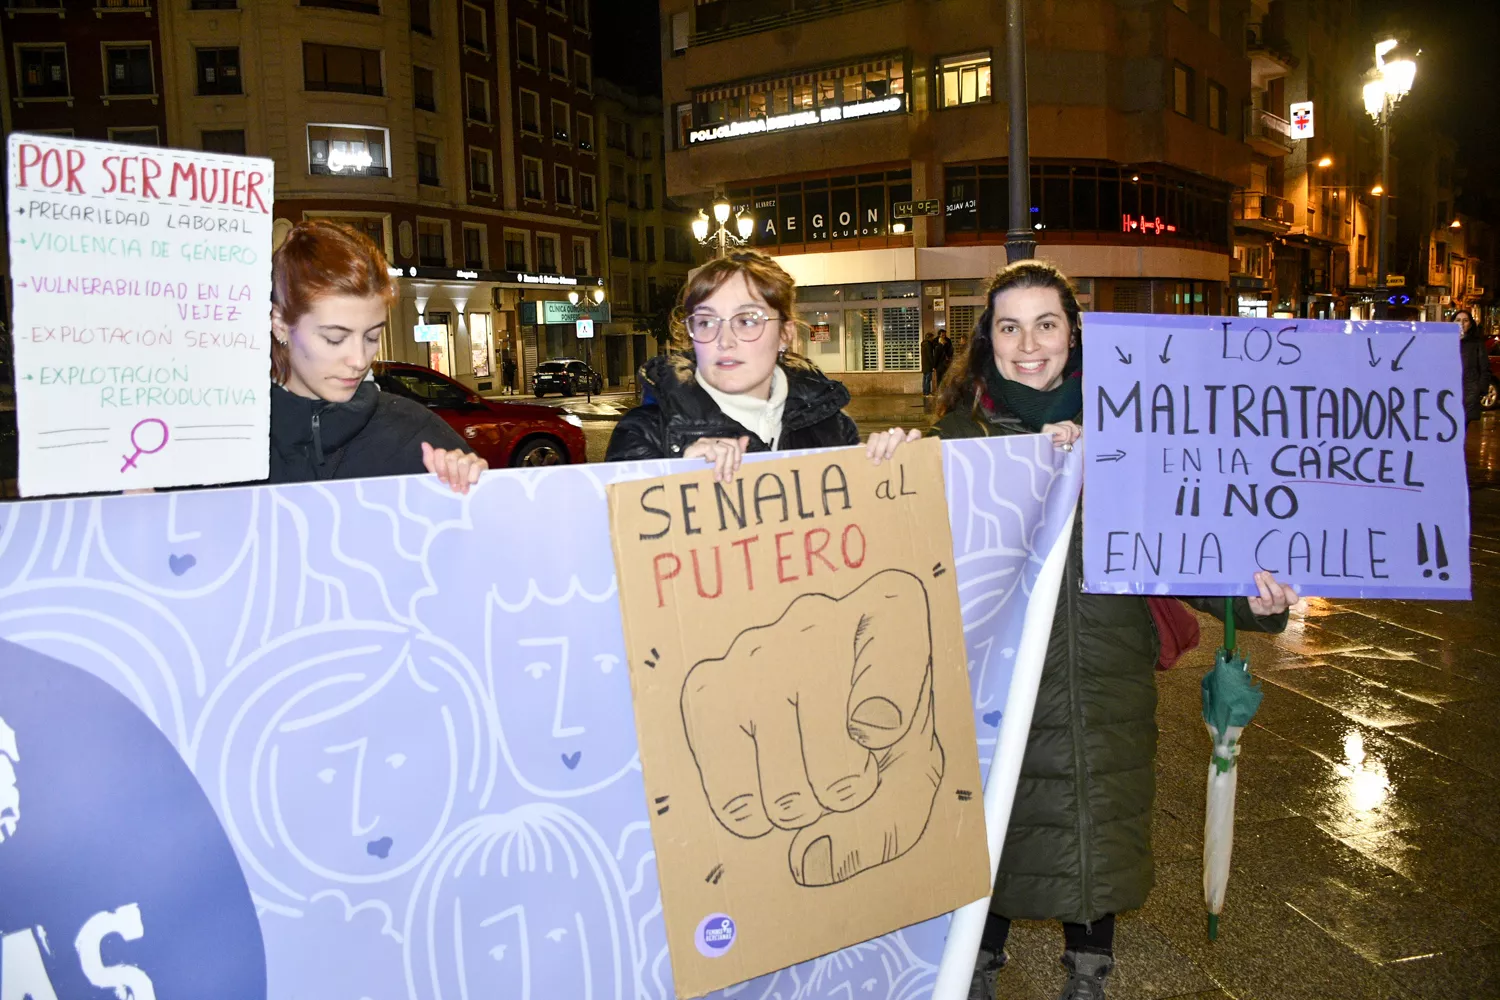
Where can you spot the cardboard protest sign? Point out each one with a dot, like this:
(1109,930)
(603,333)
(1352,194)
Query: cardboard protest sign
(1329,453)
(797,662)
(141,281)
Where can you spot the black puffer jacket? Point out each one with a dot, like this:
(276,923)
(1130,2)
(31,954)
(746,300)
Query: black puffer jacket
(1079,843)
(1477,377)
(682,413)
(374,434)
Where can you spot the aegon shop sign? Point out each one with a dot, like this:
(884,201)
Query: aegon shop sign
(799,119)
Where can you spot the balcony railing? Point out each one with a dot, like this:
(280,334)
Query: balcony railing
(1262,126)
(1267,209)
(721,19)
(1260,41)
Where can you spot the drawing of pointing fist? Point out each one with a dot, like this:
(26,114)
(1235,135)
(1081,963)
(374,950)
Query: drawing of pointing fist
(822,723)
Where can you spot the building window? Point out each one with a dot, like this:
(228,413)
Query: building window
(1182,90)
(531,113)
(423,88)
(135,136)
(621,293)
(581,254)
(557,57)
(635,243)
(427,163)
(230,141)
(585,132)
(617,132)
(562,184)
(358,6)
(373,226)
(341,69)
(1181,5)
(679,33)
(531,177)
(348,150)
(1215,17)
(219,71)
(648,191)
(42,70)
(562,118)
(586,193)
(618,239)
(481,171)
(476,29)
(215,4)
(546,253)
(583,71)
(616,182)
(581,15)
(515,250)
(481,341)
(650,244)
(127,70)
(558,7)
(1218,101)
(421,16)
(477,99)
(526,45)
(474,248)
(964,79)
(872,79)
(432,243)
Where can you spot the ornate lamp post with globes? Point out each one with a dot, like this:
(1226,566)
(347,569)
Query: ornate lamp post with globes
(722,239)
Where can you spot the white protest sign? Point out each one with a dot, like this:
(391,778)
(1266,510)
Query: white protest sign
(142,286)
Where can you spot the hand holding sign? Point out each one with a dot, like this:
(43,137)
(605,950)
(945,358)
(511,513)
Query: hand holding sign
(852,768)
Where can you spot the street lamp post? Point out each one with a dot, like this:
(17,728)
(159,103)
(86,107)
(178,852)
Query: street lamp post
(1389,82)
(1020,241)
(588,349)
(722,239)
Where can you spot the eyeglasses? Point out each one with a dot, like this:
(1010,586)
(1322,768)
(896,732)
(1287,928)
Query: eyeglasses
(747,327)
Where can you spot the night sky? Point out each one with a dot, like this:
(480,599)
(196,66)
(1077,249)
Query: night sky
(1457,87)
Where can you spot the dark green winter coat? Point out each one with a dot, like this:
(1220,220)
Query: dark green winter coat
(1079,843)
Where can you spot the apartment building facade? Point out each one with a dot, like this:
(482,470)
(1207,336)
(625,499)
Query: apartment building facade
(646,233)
(457,134)
(868,140)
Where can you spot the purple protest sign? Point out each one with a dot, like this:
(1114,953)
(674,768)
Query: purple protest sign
(1327,452)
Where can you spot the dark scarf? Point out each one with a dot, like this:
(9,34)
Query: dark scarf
(1035,407)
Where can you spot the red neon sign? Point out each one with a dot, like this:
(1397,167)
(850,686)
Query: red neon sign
(1141,224)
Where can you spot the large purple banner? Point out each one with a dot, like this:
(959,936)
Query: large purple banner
(1327,452)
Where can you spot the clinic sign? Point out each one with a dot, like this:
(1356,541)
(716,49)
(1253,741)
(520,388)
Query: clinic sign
(559,311)
(878,107)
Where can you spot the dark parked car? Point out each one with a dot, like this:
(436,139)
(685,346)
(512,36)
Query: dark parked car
(1492,394)
(567,376)
(503,434)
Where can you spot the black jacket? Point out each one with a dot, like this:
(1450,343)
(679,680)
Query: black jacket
(374,434)
(1079,842)
(681,413)
(1476,373)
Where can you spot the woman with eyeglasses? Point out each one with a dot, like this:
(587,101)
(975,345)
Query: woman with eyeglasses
(732,385)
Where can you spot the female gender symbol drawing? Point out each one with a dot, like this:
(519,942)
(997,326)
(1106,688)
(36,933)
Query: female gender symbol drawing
(141,449)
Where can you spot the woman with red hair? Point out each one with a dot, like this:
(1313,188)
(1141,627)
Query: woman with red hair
(330,301)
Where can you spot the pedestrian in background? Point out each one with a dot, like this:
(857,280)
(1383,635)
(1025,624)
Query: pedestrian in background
(508,372)
(942,356)
(731,384)
(929,363)
(1078,848)
(1476,365)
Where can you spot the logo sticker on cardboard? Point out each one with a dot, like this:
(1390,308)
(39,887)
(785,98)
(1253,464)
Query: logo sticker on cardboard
(715,935)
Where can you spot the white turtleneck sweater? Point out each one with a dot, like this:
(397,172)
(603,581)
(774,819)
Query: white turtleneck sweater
(761,417)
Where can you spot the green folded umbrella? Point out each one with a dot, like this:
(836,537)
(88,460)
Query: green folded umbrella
(1230,700)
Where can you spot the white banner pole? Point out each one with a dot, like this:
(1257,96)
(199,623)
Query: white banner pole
(962,946)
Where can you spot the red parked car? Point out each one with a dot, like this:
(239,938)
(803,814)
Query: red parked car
(503,434)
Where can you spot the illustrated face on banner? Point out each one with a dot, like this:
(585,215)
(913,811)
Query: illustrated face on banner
(360,746)
(177,543)
(549,634)
(536,899)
